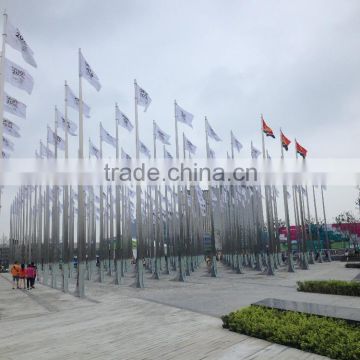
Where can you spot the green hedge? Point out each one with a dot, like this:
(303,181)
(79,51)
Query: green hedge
(335,287)
(320,335)
(353,265)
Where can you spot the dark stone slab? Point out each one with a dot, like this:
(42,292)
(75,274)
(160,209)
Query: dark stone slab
(337,312)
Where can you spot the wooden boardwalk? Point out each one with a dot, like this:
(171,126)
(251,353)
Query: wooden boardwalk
(45,324)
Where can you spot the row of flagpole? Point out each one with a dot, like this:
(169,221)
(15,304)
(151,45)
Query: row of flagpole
(193,212)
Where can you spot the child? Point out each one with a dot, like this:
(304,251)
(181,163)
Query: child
(22,276)
(15,271)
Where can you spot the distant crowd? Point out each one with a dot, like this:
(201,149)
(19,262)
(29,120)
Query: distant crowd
(23,276)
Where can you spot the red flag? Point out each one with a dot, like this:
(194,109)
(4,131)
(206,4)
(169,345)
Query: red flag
(300,150)
(266,129)
(285,142)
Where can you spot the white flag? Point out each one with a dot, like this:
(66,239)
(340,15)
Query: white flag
(93,150)
(123,120)
(5,155)
(183,116)
(18,77)
(255,153)
(124,155)
(7,144)
(74,102)
(211,133)
(189,146)
(11,128)
(211,154)
(106,137)
(161,135)
(88,73)
(144,150)
(236,143)
(55,139)
(167,155)
(14,106)
(16,40)
(142,97)
(44,151)
(63,124)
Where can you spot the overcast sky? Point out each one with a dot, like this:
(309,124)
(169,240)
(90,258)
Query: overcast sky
(297,62)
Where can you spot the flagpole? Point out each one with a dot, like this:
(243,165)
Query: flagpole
(157,232)
(291,267)
(317,225)
(101,227)
(328,255)
(181,238)
(2,83)
(65,234)
(139,239)
(80,285)
(212,229)
(119,250)
(270,270)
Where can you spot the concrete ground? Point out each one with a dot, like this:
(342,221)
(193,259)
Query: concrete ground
(166,320)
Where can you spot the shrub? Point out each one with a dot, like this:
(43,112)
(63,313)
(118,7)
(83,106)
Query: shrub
(320,335)
(335,287)
(352,265)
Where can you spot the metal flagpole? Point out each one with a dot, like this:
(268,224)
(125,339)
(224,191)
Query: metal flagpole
(291,267)
(212,229)
(157,221)
(317,226)
(180,229)
(139,238)
(270,265)
(311,258)
(101,227)
(80,285)
(328,255)
(65,230)
(119,255)
(2,82)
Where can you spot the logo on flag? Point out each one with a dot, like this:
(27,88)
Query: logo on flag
(142,97)
(16,40)
(18,77)
(123,120)
(14,106)
(189,146)
(11,128)
(161,135)
(144,150)
(87,73)
(211,133)
(74,102)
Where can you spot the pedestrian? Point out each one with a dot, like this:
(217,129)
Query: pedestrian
(28,276)
(347,254)
(22,276)
(34,273)
(15,272)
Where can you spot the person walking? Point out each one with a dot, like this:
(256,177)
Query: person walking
(34,273)
(15,272)
(29,274)
(22,276)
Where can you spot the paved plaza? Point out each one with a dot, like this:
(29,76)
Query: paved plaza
(166,320)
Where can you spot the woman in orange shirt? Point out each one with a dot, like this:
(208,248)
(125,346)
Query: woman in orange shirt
(22,276)
(15,271)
